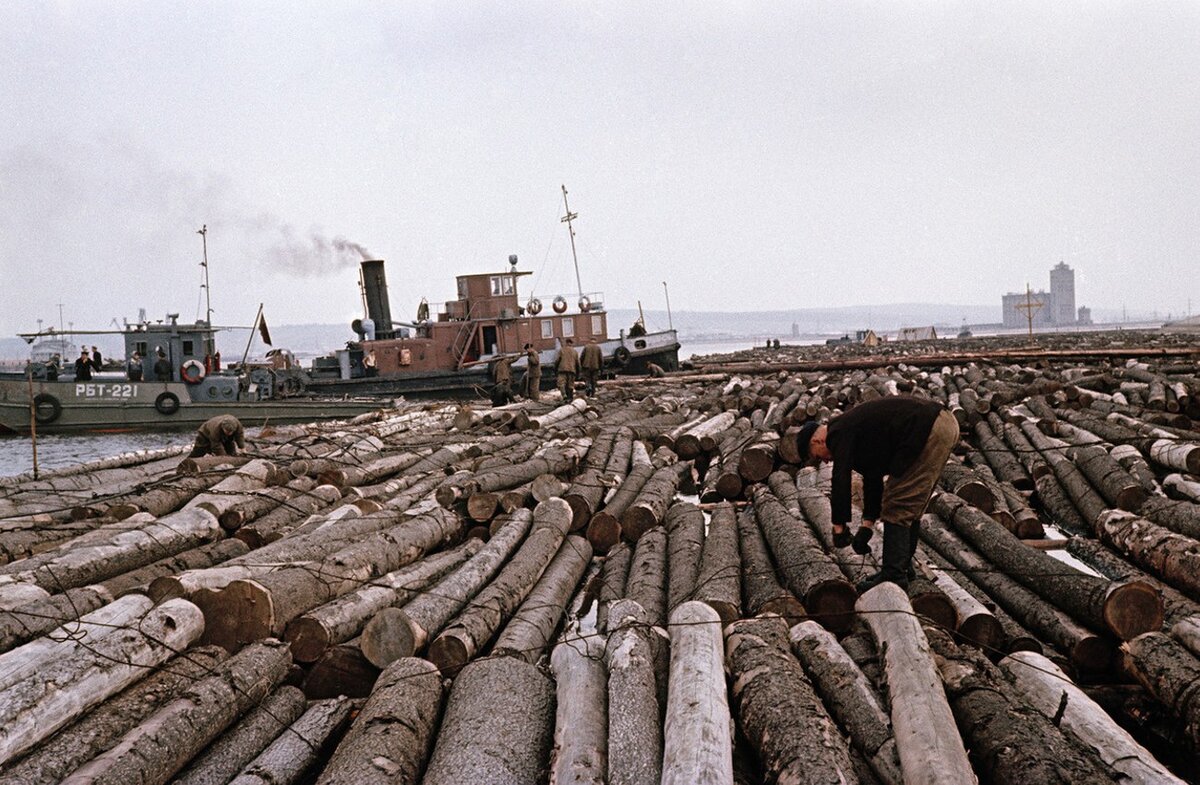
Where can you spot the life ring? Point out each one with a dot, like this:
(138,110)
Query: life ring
(166,403)
(560,304)
(46,408)
(534,306)
(192,372)
(585,304)
(620,356)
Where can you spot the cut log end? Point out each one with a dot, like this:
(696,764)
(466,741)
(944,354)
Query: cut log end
(635,522)
(832,604)
(308,638)
(1131,608)
(449,654)
(390,635)
(985,632)
(1093,654)
(603,532)
(789,608)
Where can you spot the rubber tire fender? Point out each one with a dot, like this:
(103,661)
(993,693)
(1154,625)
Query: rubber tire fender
(46,417)
(167,403)
(621,356)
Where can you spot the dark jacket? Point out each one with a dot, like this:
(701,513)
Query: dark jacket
(162,370)
(876,438)
(83,369)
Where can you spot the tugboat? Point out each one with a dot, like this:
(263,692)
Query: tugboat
(454,350)
(177,383)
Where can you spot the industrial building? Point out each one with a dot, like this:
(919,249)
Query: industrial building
(1055,308)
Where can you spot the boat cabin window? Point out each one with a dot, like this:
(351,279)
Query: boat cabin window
(547,328)
(503,284)
(140,347)
(189,348)
(597,325)
(568,327)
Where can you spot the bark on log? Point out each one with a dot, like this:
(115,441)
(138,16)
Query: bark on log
(718,583)
(162,745)
(1170,556)
(261,502)
(1058,506)
(221,762)
(392,735)
(1009,739)
(850,697)
(581,717)
(1106,562)
(584,496)
(477,624)
(604,528)
(498,703)
(697,744)
(757,460)
(962,482)
(648,509)
(761,591)
(248,610)
(1088,651)
(808,572)
(100,729)
(343,618)
(646,584)
(296,751)
(532,627)
(701,437)
(274,524)
(58,691)
(1125,608)
(210,555)
(1171,674)
(974,621)
(1086,498)
(33,619)
(115,549)
(613,577)
(685,542)
(927,739)
(778,709)
(1187,632)
(1116,485)
(635,727)
(1182,517)
(394,633)
(1049,690)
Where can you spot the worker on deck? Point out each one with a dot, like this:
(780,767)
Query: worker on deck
(220,435)
(133,368)
(84,366)
(533,373)
(502,378)
(566,366)
(591,360)
(905,439)
(162,367)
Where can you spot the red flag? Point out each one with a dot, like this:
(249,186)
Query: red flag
(263,331)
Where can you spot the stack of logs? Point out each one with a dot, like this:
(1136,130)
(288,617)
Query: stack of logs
(634,588)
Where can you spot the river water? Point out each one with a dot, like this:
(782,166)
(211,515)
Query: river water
(57,451)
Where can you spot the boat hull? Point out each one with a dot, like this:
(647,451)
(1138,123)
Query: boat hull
(116,406)
(659,348)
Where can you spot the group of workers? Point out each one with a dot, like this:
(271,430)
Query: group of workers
(568,365)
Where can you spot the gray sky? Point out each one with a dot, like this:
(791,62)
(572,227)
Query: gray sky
(753,155)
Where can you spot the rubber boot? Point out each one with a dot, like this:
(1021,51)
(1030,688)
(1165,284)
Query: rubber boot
(896,558)
(913,540)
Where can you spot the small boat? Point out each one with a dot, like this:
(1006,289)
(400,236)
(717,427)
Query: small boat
(193,387)
(454,349)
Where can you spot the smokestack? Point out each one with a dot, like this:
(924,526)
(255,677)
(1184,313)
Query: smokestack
(376,292)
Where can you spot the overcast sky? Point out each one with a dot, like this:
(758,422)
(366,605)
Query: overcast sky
(752,155)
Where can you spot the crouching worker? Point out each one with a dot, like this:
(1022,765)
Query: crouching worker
(220,435)
(907,440)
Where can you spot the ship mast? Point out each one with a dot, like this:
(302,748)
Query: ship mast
(567,219)
(203,232)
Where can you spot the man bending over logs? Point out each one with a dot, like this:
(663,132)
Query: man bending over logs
(220,435)
(904,439)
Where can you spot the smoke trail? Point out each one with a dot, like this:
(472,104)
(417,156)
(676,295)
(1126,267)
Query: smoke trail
(311,254)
